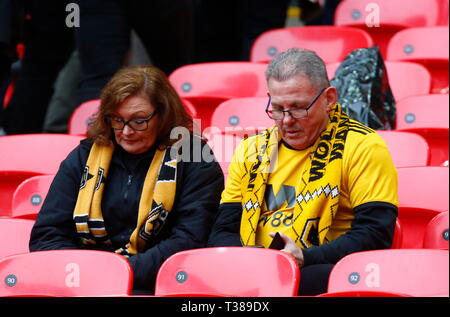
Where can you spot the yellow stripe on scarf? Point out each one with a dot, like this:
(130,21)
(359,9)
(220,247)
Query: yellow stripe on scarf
(156,201)
(317,192)
(88,205)
(157,198)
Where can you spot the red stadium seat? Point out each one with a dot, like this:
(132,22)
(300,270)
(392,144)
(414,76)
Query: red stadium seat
(241,114)
(423,192)
(190,108)
(405,78)
(38,153)
(28,155)
(229,271)
(206,85)
(14,236)
(383,18)
(66,273)
(413,272)
(406,148)
(9,180)
(397,241)
(29,196)
(223,147)
(427,115)
(82,116)
(428,46)
(436,232)
(205,106)
(331,43)
(220,79)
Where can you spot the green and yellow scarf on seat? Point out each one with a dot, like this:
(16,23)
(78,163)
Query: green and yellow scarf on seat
(317,191)
(157,199)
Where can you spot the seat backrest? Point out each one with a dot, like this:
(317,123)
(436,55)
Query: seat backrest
(9,180)
(407,13)
(406,148)
(414,272)
(429,112)
(38,153)
(427,115)
(397,241)
(65,273)
(82,116)
(428,46)
(189,106)
(241,114)
(425,187)
(423,192)
(29,196)
(331,43)
(220,79)
(420,44)
(204,107)
(383,19)
(26,155)
(14,236)
(229,271)
(405,78)
(436,232)
(223,147)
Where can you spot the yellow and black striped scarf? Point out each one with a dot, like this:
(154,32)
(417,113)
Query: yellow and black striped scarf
(317,192)
(156,201)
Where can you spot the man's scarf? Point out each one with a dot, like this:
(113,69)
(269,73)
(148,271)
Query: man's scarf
(157,198)
(317,192)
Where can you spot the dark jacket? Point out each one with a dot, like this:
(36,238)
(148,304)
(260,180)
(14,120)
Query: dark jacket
(199,185)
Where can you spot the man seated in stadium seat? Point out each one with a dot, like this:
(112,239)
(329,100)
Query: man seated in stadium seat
(125,189)
(325,182)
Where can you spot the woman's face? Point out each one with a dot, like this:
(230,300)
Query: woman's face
(138,109)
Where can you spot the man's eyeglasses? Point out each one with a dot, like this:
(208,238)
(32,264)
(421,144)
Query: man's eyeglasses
(137,124)
(296,113)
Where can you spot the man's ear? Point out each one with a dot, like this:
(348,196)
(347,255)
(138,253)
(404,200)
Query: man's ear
(331,96)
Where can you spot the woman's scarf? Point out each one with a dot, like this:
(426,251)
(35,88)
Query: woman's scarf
(157,199)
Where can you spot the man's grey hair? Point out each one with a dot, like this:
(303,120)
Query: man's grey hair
(296,61)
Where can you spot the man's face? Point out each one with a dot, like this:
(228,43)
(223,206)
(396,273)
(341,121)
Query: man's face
(297,92)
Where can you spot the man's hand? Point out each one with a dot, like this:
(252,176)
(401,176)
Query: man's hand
(291,248)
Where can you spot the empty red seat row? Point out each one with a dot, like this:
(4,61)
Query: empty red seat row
(215,272)
(384,18)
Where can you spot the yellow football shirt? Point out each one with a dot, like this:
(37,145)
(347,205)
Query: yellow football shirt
(368,175)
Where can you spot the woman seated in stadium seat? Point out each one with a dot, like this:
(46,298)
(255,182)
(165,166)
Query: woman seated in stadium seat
(130,187)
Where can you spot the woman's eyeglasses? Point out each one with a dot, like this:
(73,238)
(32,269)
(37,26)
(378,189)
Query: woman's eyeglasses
(137,124)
